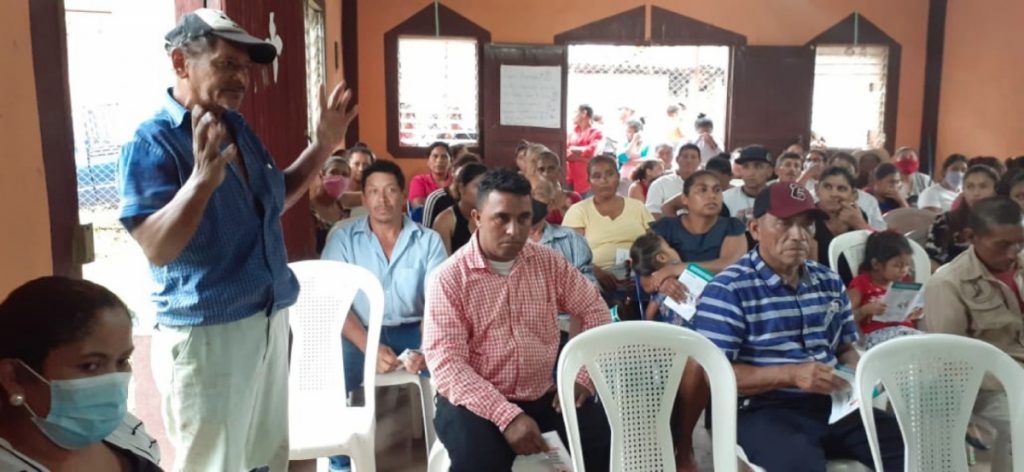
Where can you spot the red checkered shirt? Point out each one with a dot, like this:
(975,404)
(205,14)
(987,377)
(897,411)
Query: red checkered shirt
(490,340)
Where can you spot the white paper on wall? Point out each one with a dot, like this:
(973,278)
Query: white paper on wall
(531,96)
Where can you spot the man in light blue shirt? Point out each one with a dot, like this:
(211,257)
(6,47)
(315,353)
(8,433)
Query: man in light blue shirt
(562,240)
(401,253)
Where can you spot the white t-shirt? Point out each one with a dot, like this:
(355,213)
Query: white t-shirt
(706,151)
(502,268)
(869,205)
(740,205)
(661,190)
(937,196)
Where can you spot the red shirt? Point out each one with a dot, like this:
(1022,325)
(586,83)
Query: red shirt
(576,173)
(424,184)
(871,293)
(490,340)
(1007,278)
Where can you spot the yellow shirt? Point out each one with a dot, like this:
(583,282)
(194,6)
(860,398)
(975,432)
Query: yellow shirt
(606,236)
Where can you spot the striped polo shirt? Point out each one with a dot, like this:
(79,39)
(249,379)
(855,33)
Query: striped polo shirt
(755,318)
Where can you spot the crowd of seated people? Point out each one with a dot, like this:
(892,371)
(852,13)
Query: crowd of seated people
(492,220)
(483,295)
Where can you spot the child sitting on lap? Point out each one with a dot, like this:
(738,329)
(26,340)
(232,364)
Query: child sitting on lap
(648,254)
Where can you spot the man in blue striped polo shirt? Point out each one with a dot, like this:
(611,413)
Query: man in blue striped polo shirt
(785,323)
(203,198)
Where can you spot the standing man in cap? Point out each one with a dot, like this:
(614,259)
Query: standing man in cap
(785,323)
(203,197)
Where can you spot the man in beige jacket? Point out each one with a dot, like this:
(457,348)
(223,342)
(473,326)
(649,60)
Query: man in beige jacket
(978,295)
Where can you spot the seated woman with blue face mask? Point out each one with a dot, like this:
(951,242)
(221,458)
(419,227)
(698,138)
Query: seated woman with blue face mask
(64,371)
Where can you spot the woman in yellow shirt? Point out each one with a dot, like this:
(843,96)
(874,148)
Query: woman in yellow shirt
(610,223)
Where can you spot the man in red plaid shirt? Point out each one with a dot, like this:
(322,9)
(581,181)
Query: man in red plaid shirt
(491,338)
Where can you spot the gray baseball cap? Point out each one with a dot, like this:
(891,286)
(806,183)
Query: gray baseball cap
(210,22)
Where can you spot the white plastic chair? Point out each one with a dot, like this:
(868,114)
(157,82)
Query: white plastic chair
(438,461)
(636,368)
(933,382)
(425,400)
(320,424)
(913,223)
(851,246)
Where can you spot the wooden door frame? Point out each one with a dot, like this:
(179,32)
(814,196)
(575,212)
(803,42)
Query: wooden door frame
(53,101)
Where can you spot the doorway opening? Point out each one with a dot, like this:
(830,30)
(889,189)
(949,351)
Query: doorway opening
(108,101)
(648,80)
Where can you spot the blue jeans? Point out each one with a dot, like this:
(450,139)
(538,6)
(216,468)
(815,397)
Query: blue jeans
(398,338)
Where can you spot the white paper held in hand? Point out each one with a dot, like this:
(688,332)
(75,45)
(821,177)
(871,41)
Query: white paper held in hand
(847,401)
(405,354)
(695,278)
(556,459)
(902,299)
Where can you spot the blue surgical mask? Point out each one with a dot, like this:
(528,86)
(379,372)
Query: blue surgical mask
(83,411)
(954,178)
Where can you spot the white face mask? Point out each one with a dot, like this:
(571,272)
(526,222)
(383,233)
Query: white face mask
(954,178)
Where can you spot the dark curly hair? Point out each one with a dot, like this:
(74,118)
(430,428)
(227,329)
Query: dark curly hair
(49,312)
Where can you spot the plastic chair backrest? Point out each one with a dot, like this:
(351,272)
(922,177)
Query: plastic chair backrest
(851,245)
(328,289)
(636,368)
(913,223)
(932,381)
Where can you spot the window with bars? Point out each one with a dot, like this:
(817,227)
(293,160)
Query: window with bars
(438,90)
(316,63)
(648,79)
(849,95)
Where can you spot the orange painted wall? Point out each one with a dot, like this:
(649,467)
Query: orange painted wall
(24,239)
(764,22)
(981,106)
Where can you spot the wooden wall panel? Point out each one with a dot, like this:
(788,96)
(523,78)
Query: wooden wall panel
(671,28)
(772,90)
(276,108)
(50,61)
(500,141)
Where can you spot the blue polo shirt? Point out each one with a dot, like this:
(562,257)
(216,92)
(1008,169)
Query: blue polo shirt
(416,254)
(755,318)
(235,265)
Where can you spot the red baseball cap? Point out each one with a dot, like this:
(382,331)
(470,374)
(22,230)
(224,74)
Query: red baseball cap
(786,200)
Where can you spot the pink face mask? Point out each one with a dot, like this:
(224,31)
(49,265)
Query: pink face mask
(335,185)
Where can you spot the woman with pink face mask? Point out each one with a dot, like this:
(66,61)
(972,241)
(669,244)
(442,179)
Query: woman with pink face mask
(325,200)
(914,182)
